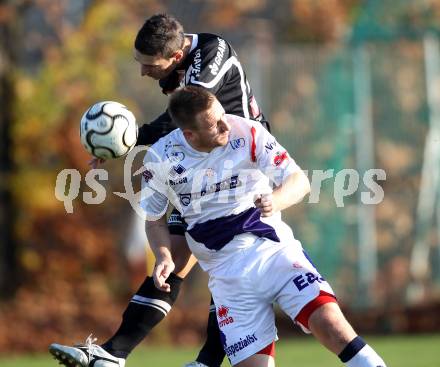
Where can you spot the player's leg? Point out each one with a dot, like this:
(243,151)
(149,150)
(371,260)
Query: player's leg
(310,301)
(244,312)
(144,311)
(149,306)
(329,326)
(212,352)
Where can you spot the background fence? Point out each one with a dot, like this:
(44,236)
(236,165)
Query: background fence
(363,106)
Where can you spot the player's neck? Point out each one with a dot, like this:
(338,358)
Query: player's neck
(196,145)
(187,46)
(200,148)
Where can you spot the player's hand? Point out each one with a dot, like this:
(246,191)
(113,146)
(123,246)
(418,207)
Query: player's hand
(161,272)
(265,204)
(95,162)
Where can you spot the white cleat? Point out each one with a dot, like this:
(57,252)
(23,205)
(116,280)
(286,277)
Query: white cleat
(87,355)
(195,364)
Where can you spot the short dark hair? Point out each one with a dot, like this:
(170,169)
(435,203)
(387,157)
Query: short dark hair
(185,103)
(160,35)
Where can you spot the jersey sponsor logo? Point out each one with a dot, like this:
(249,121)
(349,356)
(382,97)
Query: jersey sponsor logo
(170,145)
(179,169)
(228,184)
(148,175)
(185,199)
(269,145)
(176,156)
(214,67)
(237,143)
(304,280)
(222,312)
(195,67)
(279,158)
(224,318)
(178,182)
(232,349)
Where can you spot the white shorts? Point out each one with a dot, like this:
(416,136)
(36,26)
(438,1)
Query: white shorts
(245,289)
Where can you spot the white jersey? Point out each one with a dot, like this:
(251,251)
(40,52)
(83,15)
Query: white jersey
(253,262)
(215,191)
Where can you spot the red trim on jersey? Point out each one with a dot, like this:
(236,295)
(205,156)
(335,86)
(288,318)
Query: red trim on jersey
(307,310)
(253,145)
(269,350)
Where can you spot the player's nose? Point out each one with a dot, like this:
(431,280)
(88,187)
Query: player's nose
(144,70)
(225,126)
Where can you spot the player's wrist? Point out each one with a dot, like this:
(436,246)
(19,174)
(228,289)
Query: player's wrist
(163,255)
(275,203)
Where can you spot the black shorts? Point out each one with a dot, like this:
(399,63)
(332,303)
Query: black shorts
(176,224)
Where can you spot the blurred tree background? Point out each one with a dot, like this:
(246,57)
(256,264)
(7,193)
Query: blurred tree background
(65,275)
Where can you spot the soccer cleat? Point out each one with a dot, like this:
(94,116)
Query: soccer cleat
(87,355)
(195,364)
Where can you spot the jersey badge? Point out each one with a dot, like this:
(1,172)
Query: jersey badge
(279,158)
(237,143)
(185,199)
(148,175)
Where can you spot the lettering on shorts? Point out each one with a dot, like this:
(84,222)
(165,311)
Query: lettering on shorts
(223,317)
(232,349)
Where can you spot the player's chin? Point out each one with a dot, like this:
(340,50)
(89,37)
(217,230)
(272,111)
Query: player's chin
(223,139)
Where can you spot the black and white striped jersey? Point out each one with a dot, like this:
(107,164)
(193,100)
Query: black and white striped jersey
(211,63)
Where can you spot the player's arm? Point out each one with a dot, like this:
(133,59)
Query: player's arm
(154,201)
(151,132)
(290,192)
(291,183)
(160,243)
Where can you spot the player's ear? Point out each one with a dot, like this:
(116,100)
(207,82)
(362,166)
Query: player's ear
(188,134)
(178,55)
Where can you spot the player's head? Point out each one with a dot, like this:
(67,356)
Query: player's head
(200,116)
(158,46)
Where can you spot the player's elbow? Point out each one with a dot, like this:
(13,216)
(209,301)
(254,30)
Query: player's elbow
(307,185)
(304,183)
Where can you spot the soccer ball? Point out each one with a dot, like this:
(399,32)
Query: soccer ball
(108,130)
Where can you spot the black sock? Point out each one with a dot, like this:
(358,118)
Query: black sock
(146,309)
(212,352)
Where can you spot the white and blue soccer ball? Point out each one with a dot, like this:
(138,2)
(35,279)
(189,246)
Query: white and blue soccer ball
(108,130)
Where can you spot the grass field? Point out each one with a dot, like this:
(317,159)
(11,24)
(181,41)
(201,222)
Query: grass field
(401,351)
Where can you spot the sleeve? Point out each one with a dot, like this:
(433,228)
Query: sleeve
(211,65)
(270,156)
(154,187)
(170,83)
(152,132)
